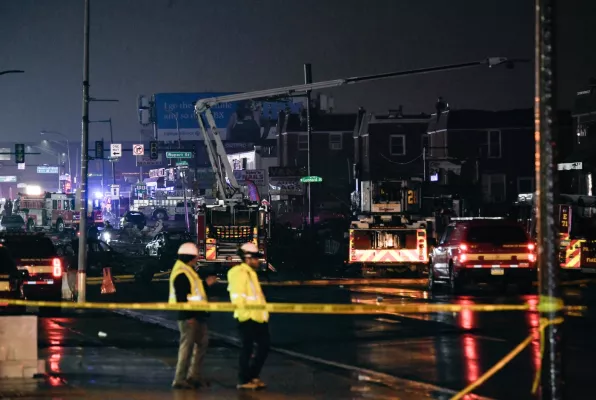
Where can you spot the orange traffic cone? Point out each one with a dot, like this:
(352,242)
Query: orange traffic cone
(107,284)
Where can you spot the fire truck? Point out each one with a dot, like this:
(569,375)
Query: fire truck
(388,235)
(576,222)
(229,194)
(50,211)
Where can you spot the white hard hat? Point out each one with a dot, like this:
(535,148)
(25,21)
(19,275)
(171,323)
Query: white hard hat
(188,249)
(249,249)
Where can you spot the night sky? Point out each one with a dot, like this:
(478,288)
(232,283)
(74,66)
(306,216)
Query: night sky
(145,47)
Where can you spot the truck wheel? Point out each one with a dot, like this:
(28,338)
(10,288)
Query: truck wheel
(432,284)
(60,226)
(30,225)
(160,214)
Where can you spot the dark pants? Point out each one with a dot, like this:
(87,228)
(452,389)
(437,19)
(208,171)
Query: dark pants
(252,333)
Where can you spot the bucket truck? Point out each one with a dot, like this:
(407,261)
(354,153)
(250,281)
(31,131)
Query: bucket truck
(221,227)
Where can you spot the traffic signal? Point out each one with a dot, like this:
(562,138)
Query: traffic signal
(99,149)
(19,151)
(153,153)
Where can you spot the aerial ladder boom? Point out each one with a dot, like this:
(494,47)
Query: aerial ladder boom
(218,156)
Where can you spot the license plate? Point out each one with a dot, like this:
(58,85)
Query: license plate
(4,286)
(497,271)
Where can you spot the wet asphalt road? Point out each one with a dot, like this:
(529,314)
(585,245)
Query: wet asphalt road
(443,349)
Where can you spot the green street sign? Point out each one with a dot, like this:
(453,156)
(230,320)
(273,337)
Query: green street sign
(178,154)
(182,164)
(311,179)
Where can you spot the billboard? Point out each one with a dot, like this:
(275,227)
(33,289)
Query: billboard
(8,179)
(236,121)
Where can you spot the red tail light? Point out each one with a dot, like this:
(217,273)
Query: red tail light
(463,247)
(57,270)
(532,257)
(463,257)
(531,246)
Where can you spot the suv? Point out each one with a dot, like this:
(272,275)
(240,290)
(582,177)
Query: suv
(483,250)
(36,257)
(11,281)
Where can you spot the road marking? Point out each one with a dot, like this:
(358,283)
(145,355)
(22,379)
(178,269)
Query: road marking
(386,379)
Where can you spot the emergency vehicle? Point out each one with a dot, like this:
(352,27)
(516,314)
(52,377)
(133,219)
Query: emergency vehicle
(94,214)
(161,208)
(50,211)
(483,250)
(388,234)
(222,229)
(576,222)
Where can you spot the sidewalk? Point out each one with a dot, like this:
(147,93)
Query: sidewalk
(136,360)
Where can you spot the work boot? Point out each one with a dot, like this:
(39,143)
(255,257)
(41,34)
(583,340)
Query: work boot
(247,386)
(182,386)
(260,384)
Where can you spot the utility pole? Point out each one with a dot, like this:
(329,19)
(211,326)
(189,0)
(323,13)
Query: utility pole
(82,257)
(113,161)
(545,116)
(308,79)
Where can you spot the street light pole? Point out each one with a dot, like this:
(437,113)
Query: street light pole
(82,256)
(308,79)
(183,176)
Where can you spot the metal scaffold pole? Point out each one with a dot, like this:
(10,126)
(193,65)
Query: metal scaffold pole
(545,113)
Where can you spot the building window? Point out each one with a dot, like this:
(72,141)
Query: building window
(494,144)
(397,145)
(525,185)
(335,141)
(303,141)
(494,188)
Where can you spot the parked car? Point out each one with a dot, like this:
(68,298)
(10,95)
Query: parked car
(99,255)
(12,223)
(135,218)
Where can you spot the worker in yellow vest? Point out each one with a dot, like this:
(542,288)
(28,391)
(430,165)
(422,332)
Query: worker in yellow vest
(187,286)
(245,289)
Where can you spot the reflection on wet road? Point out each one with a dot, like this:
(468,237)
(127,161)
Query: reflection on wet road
(439,350)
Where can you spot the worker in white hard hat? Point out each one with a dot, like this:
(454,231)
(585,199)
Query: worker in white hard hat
(253,326)
(187,286)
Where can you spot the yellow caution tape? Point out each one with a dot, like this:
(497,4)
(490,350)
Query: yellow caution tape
(291,308)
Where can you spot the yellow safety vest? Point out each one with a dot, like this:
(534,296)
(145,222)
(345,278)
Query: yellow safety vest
(245,289)
(197,292)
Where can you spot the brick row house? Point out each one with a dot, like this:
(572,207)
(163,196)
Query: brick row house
(332,158)
(485,158)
